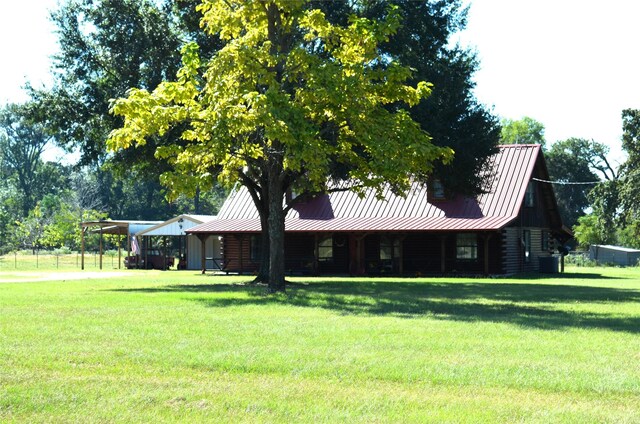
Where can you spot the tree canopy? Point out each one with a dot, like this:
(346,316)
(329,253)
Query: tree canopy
(287,101)
(576,164)
(522,131)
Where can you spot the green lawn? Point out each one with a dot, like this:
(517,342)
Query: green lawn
(181,347)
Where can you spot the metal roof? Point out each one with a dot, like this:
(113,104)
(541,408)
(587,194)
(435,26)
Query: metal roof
(109,226)
(176,226)
(506,179)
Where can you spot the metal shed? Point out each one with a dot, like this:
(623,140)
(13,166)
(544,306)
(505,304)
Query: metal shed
(192,244)
(617,255)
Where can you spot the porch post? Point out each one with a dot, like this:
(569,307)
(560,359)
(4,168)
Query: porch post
(82,228)
(316,254)
(119,246)
(486,238)
(203,252)
(401,253)
(146,250)
(242,254)
(100,247)
(443,267)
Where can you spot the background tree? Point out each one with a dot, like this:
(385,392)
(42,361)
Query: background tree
(287,98)
(451,114)
(22,143)
(574,161)
(98,62)
(522,131)
(629,188)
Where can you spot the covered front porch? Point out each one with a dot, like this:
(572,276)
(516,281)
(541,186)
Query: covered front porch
(373,253)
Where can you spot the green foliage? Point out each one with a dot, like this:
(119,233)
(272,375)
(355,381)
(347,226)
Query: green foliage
(572,161)
(106,47)
(605,201)
(451,114)
(287,101)
(523,131)
(22,142)
(579,259)
(257,98)
(587,231)
(630,184)
(53,224)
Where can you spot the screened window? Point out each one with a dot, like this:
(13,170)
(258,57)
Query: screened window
(325,248)
(526,242)
(529,197)
(467,246)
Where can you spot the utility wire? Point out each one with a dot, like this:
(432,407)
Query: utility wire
(567,182)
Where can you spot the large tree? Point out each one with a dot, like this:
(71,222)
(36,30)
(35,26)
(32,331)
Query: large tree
(107,47)
(290,100)
(452,114)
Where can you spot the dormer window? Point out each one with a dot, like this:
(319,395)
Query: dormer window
(530,195)
(436,190)
(290,195)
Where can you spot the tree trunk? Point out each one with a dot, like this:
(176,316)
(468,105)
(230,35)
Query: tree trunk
(263,272)
(275,224)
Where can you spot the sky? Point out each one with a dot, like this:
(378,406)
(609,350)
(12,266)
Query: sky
(570,64)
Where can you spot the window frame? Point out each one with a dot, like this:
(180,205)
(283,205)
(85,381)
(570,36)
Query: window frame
(436,192)
(467,247)
(530,195)
(255,248)
(325,245)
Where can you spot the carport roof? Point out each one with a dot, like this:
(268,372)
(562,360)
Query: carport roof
(108,226)
(170,227)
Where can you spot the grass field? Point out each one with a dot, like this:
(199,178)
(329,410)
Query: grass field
(49,261)
(180,347)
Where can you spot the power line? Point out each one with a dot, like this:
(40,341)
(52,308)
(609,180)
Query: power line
(567,182)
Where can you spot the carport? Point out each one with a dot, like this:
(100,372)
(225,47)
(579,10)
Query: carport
(113,227)
(190,246)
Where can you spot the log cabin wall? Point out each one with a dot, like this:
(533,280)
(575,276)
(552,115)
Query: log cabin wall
(236,251)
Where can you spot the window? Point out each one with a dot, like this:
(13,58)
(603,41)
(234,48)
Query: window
(467,246)
(325,249)
(389,248)
(526,244)
(436,190)
(529,196)
(256,248)
(544,245)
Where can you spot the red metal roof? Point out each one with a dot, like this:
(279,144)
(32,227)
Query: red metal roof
(507,176)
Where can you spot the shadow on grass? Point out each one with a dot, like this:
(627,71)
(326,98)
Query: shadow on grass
(532,305)
(566,276)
